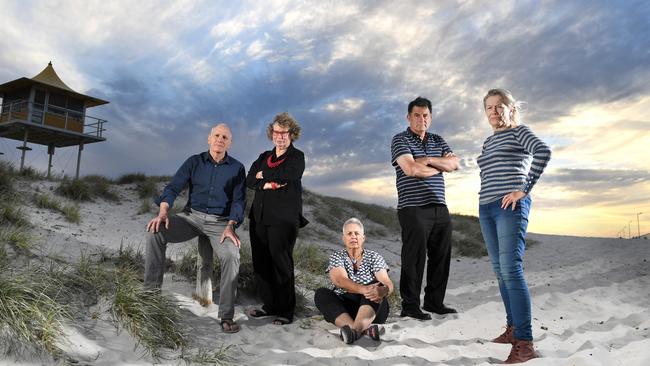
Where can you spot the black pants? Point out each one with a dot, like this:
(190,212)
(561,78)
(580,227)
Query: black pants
(332,305)
(426,235)
(272,252)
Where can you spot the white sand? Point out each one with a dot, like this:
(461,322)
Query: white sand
(590,301)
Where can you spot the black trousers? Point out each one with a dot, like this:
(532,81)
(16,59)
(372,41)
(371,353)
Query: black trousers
(426,237)
(272,252)
(332,305)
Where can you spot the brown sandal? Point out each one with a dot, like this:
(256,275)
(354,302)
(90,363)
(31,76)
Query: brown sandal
(281,321)
(229,326)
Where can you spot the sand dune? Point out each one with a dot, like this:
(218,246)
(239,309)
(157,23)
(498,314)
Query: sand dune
(590,301)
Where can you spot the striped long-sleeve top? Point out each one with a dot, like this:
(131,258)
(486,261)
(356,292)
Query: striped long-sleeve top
(412,191)
(511,160)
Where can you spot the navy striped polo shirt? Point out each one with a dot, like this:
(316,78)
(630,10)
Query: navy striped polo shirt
(412,191)
(511,160)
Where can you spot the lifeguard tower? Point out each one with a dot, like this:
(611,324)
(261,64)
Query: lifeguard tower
(44,110)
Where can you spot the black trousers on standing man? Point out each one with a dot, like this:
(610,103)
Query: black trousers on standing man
(426,238)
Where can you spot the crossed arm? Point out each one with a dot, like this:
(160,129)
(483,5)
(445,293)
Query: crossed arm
(427,166)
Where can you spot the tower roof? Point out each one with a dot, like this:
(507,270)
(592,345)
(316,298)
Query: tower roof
(49,78)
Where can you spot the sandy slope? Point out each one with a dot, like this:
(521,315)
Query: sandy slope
(590,305)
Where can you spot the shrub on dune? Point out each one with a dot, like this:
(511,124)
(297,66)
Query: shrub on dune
(131,178)
(100,186)
(76,190)
(147,189)
(87,189)
(29,318)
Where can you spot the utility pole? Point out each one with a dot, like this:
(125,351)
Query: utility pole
(629,236)
(638,227)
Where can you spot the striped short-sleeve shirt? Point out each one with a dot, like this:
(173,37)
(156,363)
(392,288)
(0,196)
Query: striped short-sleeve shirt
(371,263)
(412,191)
(511,160)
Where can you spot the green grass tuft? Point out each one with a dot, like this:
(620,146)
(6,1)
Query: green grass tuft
(204,356)
(145,207)
(18,236)
(10,213)
(32,174)
(130,258)
(100,186)
(46,201)
(71,213)
(153,319)
(310,258)
(29,318)
(147,189)
(87,189)
(3,255)
(76,190)
(131,178)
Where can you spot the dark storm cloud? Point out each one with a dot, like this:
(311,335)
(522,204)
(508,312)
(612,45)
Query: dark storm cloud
(554,55)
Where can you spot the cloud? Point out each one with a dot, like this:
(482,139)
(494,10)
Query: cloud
(346,71)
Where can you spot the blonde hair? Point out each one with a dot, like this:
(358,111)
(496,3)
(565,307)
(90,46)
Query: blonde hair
(510,101)
(284,120)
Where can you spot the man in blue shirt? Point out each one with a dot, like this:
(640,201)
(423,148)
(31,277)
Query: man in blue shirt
(419,158)
(217,198)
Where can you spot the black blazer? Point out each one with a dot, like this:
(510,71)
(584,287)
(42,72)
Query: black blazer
(283,205)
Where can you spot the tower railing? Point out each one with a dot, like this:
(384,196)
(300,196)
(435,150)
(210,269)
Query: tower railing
(52,116)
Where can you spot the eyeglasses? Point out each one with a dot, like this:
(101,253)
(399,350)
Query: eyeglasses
(280,133)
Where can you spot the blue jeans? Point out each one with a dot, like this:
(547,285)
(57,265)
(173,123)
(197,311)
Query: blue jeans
(504,232)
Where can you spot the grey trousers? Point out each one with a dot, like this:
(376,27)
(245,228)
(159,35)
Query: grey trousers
(186,226)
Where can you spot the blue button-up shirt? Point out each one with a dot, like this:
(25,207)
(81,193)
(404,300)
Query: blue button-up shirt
(215,188)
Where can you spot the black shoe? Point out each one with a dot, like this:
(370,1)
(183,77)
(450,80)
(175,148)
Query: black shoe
(419,314)
(442,310)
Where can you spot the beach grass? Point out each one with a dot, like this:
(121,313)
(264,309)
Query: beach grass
(69,211)
(16,235)
(206,356)
(131,178)
(30,320)
(310,258)
(147,189)
(87,189)
(145,207)
(31,173)
(153,319)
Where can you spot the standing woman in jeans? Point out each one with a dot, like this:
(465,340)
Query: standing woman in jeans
(275,216)
(511,162)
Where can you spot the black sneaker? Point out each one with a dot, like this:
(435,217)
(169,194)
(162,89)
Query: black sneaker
(348,335)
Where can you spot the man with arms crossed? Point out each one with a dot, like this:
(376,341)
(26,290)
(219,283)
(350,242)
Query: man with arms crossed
(217,197)
(420,158)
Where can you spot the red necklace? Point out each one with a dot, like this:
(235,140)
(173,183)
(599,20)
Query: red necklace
(272,164)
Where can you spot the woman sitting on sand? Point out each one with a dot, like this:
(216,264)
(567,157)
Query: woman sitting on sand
(507,176)
(361,287)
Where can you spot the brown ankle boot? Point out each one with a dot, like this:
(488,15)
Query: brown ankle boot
(508,336)
(522,351)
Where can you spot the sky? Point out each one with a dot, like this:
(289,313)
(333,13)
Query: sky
(346,71)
